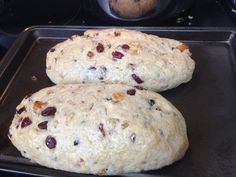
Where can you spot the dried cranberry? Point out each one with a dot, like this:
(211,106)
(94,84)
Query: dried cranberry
(137,78)
(21,110)
(43,125)
(49,111)
(125,47)
(131,92)
(100,48)
(25,122)
(28,95)
(52,50)
(132,137)
(117,55)
(138,87)
(100,127)
(50,142)
(151,102)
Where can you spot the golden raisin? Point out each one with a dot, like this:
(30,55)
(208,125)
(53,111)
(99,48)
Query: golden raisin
(118,96)
(182,47)
(125,125)
(38,105)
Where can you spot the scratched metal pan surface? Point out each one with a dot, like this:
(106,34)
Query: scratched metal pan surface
(207,101)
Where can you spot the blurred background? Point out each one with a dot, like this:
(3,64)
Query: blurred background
(16,15)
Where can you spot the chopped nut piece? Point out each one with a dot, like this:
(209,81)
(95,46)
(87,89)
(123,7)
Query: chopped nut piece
(125,125)
(34,78)
(102,173)
(114,121)
(116,33)
(134,52)
(135,45)
(182,47)
(90,54)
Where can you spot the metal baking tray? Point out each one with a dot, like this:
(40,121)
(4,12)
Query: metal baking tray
(207,101)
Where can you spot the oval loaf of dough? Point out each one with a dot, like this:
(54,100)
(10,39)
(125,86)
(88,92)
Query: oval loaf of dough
(99,129)
(120,56)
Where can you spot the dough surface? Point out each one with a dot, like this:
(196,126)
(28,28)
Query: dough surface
(99,129)
(120,56)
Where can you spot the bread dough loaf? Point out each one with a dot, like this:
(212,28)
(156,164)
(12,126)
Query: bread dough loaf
(132,8)
(120,56)
(99,129)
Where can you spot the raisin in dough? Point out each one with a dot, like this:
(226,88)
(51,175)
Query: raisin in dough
(99,129)
(120,56)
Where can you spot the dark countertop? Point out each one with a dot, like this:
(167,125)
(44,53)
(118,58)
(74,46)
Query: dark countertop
(17,16)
